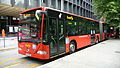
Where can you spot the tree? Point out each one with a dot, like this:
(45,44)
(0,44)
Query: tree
(108,9)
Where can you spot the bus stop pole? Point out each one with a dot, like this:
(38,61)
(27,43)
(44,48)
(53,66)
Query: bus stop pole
(4,42)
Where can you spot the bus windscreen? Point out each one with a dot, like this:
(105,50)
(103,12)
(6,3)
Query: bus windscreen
(29,26)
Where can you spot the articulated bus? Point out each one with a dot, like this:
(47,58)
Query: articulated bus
(45,33)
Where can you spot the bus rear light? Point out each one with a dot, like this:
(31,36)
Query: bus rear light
(42,52)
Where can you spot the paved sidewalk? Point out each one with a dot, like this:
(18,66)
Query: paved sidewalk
(7,48)
(103,55)
(8,42)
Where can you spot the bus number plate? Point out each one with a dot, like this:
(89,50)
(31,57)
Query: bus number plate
(28,54)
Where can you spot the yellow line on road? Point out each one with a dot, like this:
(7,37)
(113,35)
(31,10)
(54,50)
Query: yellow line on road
(34,65)
(15,63)
(12,65)
(30,65)
(14,58)
(4,59)
(7,59)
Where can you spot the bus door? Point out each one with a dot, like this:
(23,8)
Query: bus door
(56,37)
(53,36)
(61,36)
(92,36)
(93,31)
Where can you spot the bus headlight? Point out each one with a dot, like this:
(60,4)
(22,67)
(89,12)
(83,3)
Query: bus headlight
(42,52)
(33,46)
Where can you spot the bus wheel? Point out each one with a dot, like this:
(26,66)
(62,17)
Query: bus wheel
(72,47)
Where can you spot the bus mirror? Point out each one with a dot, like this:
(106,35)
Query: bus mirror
(44,12)
(38,13)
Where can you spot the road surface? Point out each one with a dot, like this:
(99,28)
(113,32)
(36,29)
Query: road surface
(11,59)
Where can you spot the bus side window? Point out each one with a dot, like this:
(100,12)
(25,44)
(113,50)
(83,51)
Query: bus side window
(72,28)
(82,28)
(79,28)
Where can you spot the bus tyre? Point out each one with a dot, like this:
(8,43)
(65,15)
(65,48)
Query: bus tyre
(72,47)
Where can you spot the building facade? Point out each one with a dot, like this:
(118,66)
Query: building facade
(10,9)
(79,7)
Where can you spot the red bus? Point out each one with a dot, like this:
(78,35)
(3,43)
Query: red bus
(112,31)
(106,31)
(45,33)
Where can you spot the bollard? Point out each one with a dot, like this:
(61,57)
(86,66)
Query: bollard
(3,36)
(3,33)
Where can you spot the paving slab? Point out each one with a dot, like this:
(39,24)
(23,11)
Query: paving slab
(8,43)
(8,48)
(103,55)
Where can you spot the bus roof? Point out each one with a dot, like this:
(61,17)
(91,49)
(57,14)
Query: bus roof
(45,8)
(73,14)
(31,9)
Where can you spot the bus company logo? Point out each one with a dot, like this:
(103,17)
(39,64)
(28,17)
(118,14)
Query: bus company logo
(27,45)
(70,17)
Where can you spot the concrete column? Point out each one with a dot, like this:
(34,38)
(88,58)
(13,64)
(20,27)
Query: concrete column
(26,3)
(10,18)
(67,6)
(38,3)
(57,4)
(62,5)
(49,3)
(12,2)
(72,8)
(7,26)
(75,9)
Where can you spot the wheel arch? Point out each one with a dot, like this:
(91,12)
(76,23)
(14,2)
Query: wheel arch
(74,42)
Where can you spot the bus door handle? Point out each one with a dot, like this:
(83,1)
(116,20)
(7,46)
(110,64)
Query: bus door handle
(61,37)
(52,37)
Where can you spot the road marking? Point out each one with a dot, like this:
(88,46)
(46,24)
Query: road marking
(7,59)
(15,63)
(12,65)
(30,65)
(34,65)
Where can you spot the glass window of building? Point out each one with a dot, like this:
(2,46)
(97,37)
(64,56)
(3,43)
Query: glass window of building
(33,3)
(43,1)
